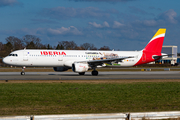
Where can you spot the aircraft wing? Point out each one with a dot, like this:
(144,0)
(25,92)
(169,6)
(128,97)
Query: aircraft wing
(108,60)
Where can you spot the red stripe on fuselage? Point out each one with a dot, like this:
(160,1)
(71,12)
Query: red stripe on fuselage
(146,57)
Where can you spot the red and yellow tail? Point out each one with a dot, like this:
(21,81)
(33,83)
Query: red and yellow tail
(153,48)
(155,44)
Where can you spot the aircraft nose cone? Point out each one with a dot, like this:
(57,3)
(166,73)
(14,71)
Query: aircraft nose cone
(5,60)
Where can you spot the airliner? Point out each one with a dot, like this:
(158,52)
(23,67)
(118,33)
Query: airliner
(80,61)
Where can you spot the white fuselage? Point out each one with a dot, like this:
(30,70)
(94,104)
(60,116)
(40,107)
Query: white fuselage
(57,58)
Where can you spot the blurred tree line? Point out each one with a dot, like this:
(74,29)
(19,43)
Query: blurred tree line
(33,42)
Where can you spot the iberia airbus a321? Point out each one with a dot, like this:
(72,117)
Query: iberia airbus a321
(80,61)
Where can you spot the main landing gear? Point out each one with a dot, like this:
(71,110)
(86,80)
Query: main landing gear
(94,72)
(23,73)
(81,73)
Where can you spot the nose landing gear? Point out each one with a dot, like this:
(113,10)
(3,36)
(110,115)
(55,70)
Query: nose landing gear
(23,68)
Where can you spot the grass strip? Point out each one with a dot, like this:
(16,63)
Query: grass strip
(76,98)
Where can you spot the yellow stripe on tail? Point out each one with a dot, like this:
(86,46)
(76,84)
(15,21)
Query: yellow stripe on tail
(160,31)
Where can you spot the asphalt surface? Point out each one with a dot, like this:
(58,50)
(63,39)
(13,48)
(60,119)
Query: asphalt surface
(102,75)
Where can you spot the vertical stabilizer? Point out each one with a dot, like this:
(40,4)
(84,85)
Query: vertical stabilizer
(155,44)
(153,48)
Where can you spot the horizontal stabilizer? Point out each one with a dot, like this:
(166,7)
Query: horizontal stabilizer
(161,56)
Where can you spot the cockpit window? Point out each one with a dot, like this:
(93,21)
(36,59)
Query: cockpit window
(13,55)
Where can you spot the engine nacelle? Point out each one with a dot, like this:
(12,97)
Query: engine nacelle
(80,67)
(60,69)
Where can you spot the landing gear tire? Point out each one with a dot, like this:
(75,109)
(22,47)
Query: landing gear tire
(94,72)
(22,73)
(82,73)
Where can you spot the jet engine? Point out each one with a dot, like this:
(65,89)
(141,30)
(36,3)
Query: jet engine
(60,69)
(80,67)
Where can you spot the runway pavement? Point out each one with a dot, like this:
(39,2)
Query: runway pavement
(102,75)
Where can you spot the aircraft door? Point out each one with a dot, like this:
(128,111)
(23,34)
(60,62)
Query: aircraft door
(25,55)
(60,58)
(144,57)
